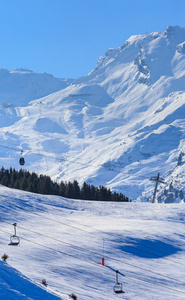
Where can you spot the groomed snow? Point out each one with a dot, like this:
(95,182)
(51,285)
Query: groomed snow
(64,240)
(16,286)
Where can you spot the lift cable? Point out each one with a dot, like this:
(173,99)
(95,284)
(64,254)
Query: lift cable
(109,234)
(144,269)
(113,241)
(96,264)
(155,255)
(56,250)
(37,214)
(96,253)
(144,280)
(79,163)
(54,239)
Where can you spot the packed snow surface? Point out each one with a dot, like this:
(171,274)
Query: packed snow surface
(118,126)
(63,241)
(15,286)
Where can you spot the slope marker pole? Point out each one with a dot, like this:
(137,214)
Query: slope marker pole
(103,260)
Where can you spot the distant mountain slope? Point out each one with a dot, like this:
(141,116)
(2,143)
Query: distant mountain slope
(19,86)
(118,126)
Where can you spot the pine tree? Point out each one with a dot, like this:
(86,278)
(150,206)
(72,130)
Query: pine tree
(76,190)
(85,192)
(69,191)
(62,189)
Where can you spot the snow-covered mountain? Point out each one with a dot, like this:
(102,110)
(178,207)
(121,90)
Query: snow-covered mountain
(118,126)
(19,86)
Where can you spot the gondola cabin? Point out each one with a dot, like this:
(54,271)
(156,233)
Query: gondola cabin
(21,161)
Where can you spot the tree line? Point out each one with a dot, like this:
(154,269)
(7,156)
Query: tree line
(42,184)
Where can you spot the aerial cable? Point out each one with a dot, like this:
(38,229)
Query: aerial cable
(96,264)
(56,250)
(54,239)
(113,241)
(96,253)
(78,162)
(109,234)
(11,148)
(144,280)
(35,213)
(144,251)
(143,269)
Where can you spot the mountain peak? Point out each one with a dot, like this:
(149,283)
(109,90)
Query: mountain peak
(174,29)
(175,34)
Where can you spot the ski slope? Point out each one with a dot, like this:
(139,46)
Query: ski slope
(64,240)
(16,286)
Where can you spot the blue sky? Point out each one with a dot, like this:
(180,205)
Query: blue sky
(66,37)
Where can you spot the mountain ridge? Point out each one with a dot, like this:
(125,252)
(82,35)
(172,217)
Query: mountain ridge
(117,126)
(27,85)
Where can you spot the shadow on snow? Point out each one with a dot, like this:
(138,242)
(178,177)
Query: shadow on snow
(148,248)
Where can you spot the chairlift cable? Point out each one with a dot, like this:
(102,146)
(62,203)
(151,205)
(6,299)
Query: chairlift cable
(96,264)
(56,250)
(96,253)
(54,239)
(144,280)
(113,241)
(105,256)
(59,251)
(143,269)
(155,255)
(37,214)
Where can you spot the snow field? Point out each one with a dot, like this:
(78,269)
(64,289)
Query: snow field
(144,241)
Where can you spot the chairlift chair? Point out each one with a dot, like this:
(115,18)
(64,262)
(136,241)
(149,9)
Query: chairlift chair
(14,239)
(118,286)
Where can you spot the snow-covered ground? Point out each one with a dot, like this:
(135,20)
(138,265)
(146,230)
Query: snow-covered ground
(13,285)
(63,241)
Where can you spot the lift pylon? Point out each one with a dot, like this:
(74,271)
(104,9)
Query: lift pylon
(157,181)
